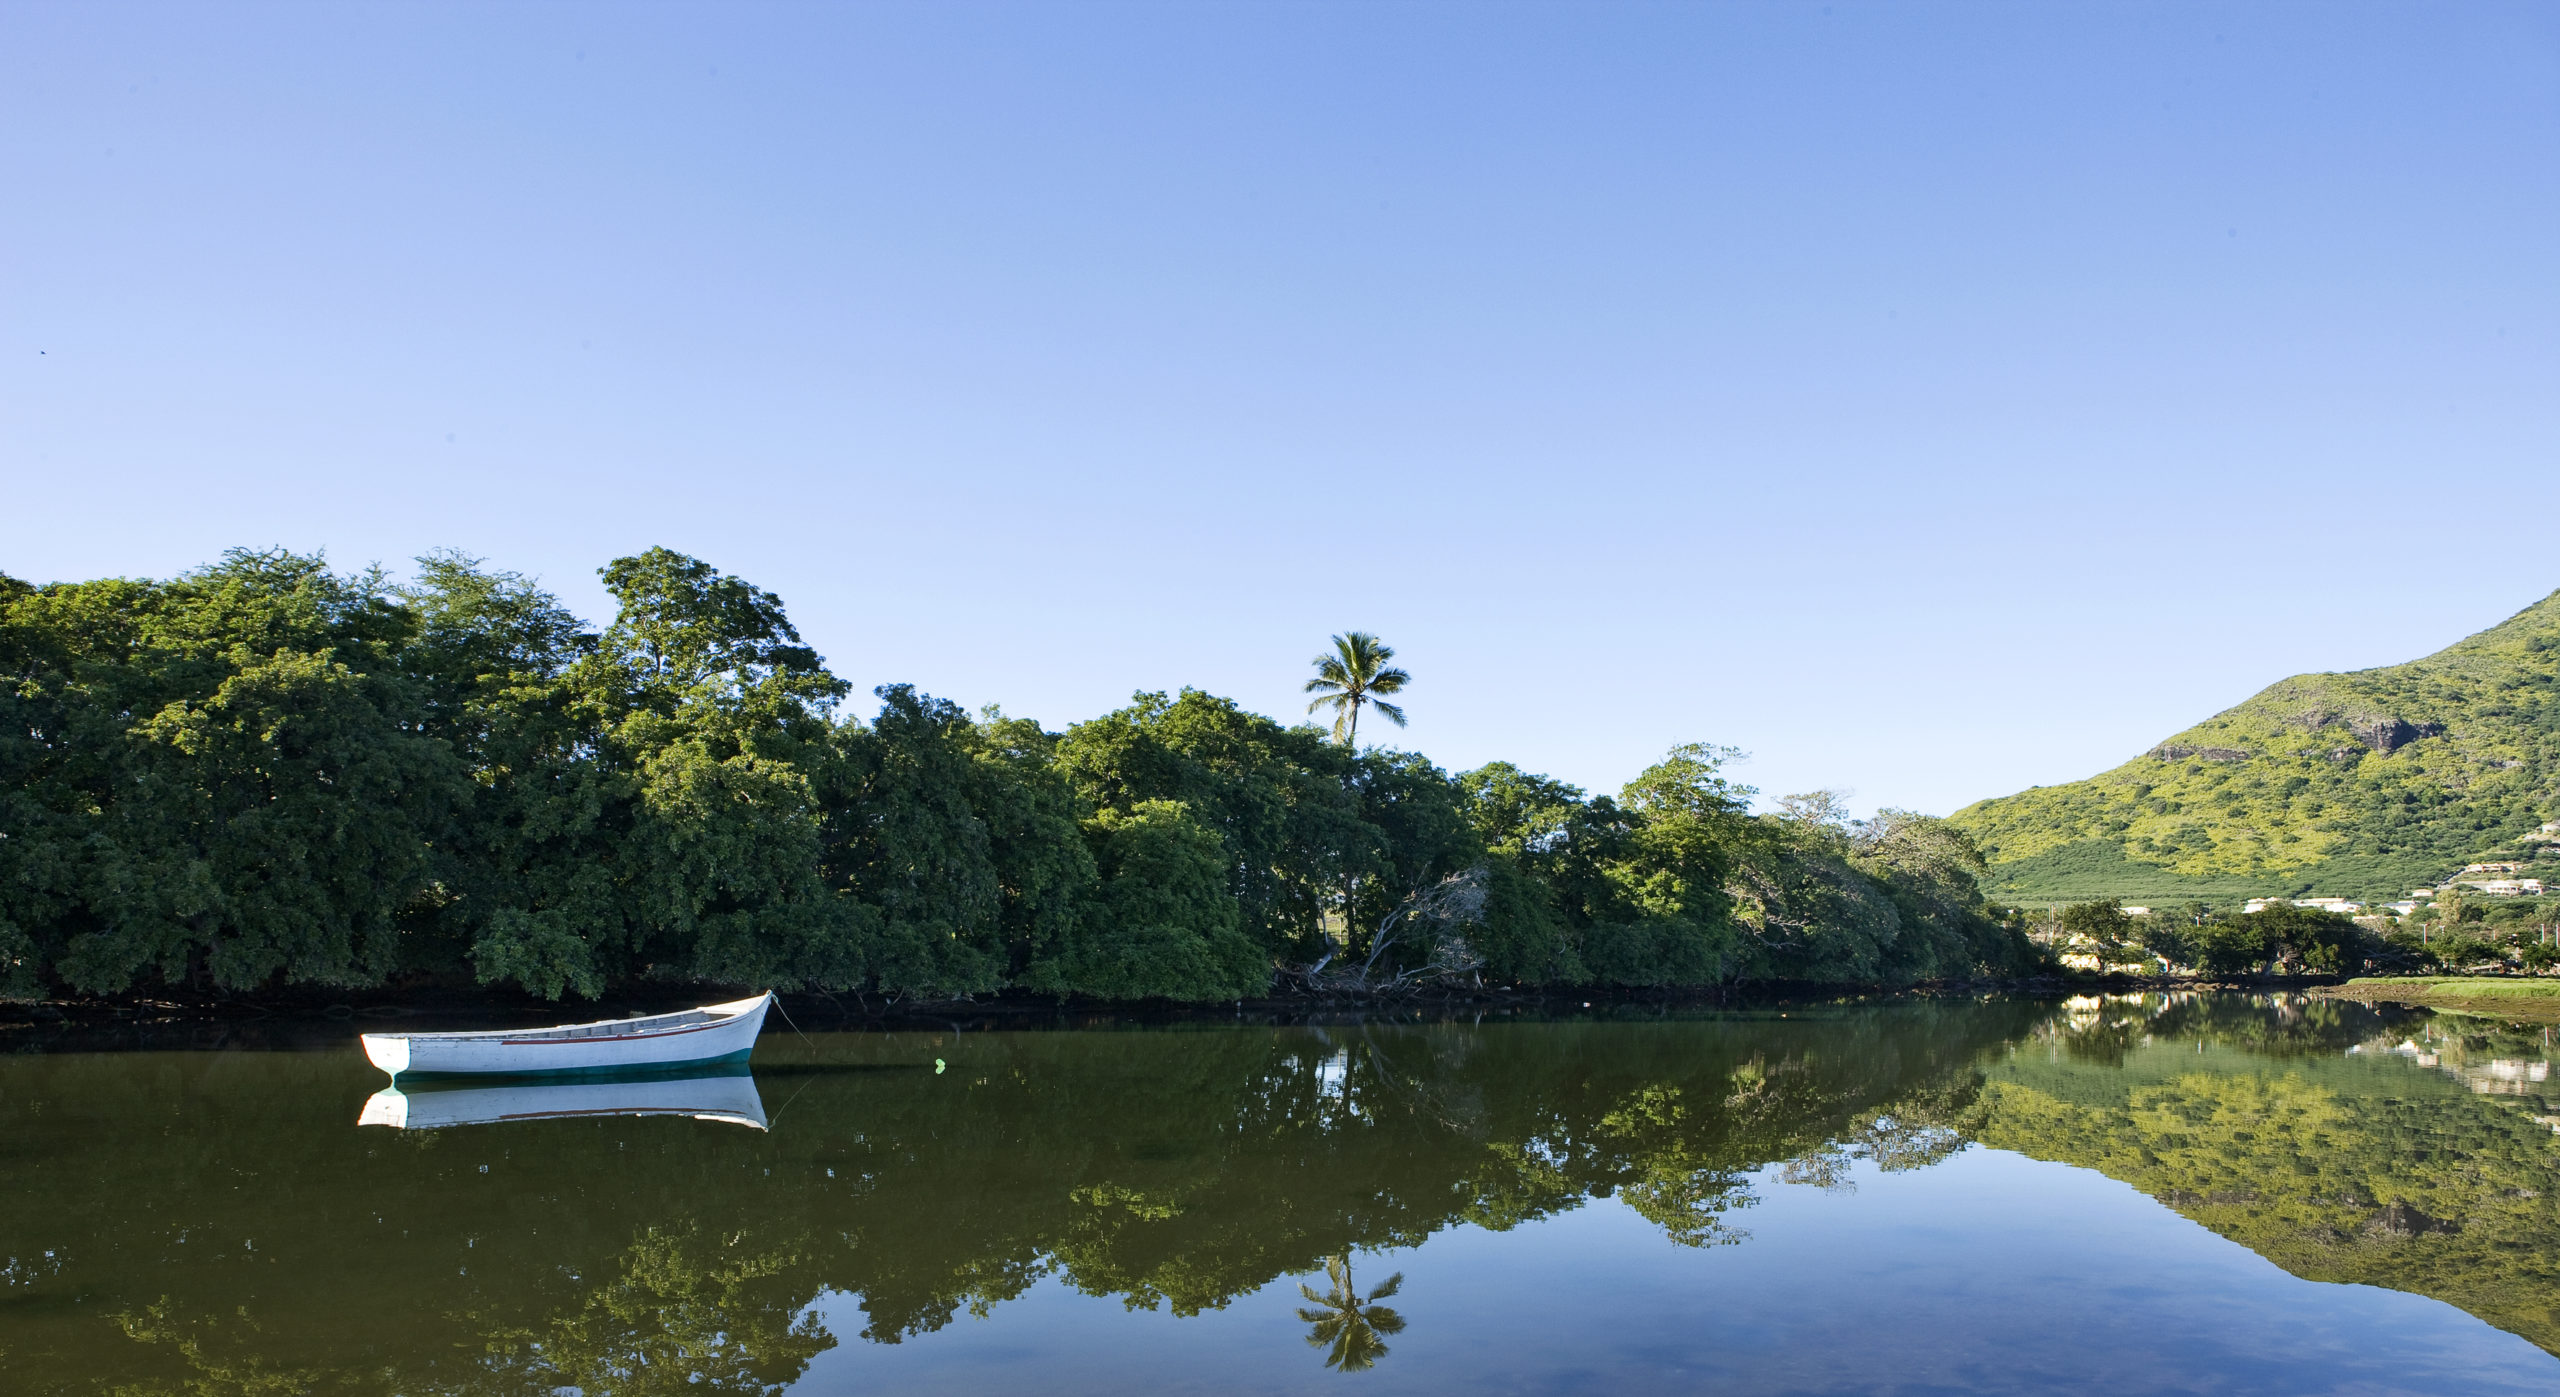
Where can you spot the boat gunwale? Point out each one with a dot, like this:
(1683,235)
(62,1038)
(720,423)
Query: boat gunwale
(624,1030)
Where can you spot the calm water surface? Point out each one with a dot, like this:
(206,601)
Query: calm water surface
(2217,1194)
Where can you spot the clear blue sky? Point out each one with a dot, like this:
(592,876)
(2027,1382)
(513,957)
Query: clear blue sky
(1933,399)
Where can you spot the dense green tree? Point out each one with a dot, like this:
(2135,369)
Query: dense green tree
(524,871)
(1808,911)
(2172,935)
(265,772)
(1045,871)
(1526,824)
(907,843)
(2309,939)
(219,780)
(1932,871)
(2281,936)
(1635,892)
(710,740)
(1552,852)
(1279,800)
(1569,841)
(1682,857)
(1420,835)
(1891,900)
(2102,925)
(1167,926)
(1522,934)
(722,732)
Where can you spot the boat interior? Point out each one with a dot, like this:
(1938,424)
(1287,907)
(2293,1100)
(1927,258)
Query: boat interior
(619,1028)
(608,1028)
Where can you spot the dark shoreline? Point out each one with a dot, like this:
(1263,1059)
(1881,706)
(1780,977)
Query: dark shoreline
(295,1019)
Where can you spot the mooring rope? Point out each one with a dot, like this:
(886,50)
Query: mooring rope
(786,1018)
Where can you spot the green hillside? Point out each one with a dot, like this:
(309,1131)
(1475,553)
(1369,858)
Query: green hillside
(2353,785)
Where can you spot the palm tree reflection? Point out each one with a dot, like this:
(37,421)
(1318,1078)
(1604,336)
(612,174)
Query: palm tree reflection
(1345,1322)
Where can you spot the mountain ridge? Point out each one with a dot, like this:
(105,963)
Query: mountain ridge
(2362,783)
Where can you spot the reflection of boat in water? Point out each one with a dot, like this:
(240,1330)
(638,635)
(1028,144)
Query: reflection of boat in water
(712,1033)
(724,1094)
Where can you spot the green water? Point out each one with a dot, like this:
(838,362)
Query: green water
(2218,1194)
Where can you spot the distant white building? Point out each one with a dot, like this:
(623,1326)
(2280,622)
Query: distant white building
(2505,887)
(2402,909)
(2321,904)
(2136,911)
(2493,868)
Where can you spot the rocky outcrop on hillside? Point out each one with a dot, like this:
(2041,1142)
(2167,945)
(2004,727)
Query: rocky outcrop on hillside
(2171,752)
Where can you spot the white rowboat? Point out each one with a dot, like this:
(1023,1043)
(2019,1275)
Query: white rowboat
(712,1033)
(729,1098)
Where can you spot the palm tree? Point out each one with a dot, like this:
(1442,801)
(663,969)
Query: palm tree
(1346,1323)
(1356,673)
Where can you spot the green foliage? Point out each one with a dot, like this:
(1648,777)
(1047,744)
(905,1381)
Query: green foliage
(1045,872)
(1354,676)
(2169,934)
(1676,884)
(2106,925)
(2281,937)
(1931,870)
(2103,931)
(1557,841)
(219,780)
(1891,900)
(1421,834)
(1166,926)
(1627,900)
(2358,785)
(716,734)
(909,843)
(266,773)
(521,868)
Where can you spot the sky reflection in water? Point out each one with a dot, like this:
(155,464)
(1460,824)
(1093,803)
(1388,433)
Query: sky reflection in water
(1907,1197)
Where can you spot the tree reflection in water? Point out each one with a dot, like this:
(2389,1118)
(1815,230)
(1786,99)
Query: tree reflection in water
(253,1240)
(679,1315)
(1347,1325)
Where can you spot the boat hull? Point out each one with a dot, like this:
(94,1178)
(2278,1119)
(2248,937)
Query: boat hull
(727,1035)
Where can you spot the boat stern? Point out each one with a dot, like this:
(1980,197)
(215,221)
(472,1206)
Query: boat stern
(389,1051)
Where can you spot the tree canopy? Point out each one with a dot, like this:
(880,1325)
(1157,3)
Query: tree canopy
(265,772)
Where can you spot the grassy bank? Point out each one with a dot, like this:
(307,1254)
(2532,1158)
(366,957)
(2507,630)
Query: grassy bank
(2519,998)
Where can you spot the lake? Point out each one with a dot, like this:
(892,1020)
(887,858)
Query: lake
(2197,1193)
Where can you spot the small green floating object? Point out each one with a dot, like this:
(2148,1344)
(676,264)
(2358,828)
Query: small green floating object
(937,1067)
